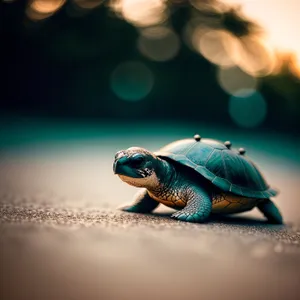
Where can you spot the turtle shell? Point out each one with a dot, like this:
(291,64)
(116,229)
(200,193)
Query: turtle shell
(225,168)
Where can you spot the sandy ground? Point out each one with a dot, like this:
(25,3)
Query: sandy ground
(62,237)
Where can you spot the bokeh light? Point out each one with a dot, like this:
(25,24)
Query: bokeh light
(252,53)
(280,20)
(132,81)
(46,6)
(233,80)
(212,45)
(247,108)
(158,43)
(254,56)
(41,9)
(141,12)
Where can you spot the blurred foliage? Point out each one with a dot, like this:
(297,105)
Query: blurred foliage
(138,59)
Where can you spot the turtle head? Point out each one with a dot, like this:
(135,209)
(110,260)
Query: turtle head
(137,167)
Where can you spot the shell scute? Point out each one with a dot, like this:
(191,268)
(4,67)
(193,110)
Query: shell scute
(200,156)
(224,167)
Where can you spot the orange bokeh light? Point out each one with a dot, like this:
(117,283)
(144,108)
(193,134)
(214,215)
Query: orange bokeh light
(211,44)
(46,6)
(253,56)
(280,21)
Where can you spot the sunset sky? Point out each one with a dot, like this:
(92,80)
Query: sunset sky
(280,19)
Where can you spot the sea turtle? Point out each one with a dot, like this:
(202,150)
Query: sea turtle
(196,176)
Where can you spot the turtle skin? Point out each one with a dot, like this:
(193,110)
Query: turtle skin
(225,168)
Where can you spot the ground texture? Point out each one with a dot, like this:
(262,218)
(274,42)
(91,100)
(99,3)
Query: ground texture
(62,237)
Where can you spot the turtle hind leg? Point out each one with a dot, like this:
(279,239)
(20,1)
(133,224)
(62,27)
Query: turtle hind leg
(143,203)
(198,206)
(270,211)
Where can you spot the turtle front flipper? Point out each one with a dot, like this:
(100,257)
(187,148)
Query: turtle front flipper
(198,206)
(143,203)
(270,211)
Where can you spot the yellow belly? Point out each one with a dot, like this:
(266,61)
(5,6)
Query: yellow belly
(170,200)
(224,203)
(227,203)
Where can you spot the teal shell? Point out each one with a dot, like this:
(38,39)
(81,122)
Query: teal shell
(225,168)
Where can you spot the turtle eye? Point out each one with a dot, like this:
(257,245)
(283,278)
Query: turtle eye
(137,159)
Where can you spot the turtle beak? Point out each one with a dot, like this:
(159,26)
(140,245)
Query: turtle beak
(119,164)
(122,166)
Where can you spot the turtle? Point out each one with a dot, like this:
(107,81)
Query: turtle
(197,177)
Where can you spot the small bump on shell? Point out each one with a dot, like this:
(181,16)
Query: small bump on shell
(197,137)
(242,151)
(228,170)
(228,144)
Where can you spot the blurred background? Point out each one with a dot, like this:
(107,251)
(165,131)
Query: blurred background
(230,62)
(82,79)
